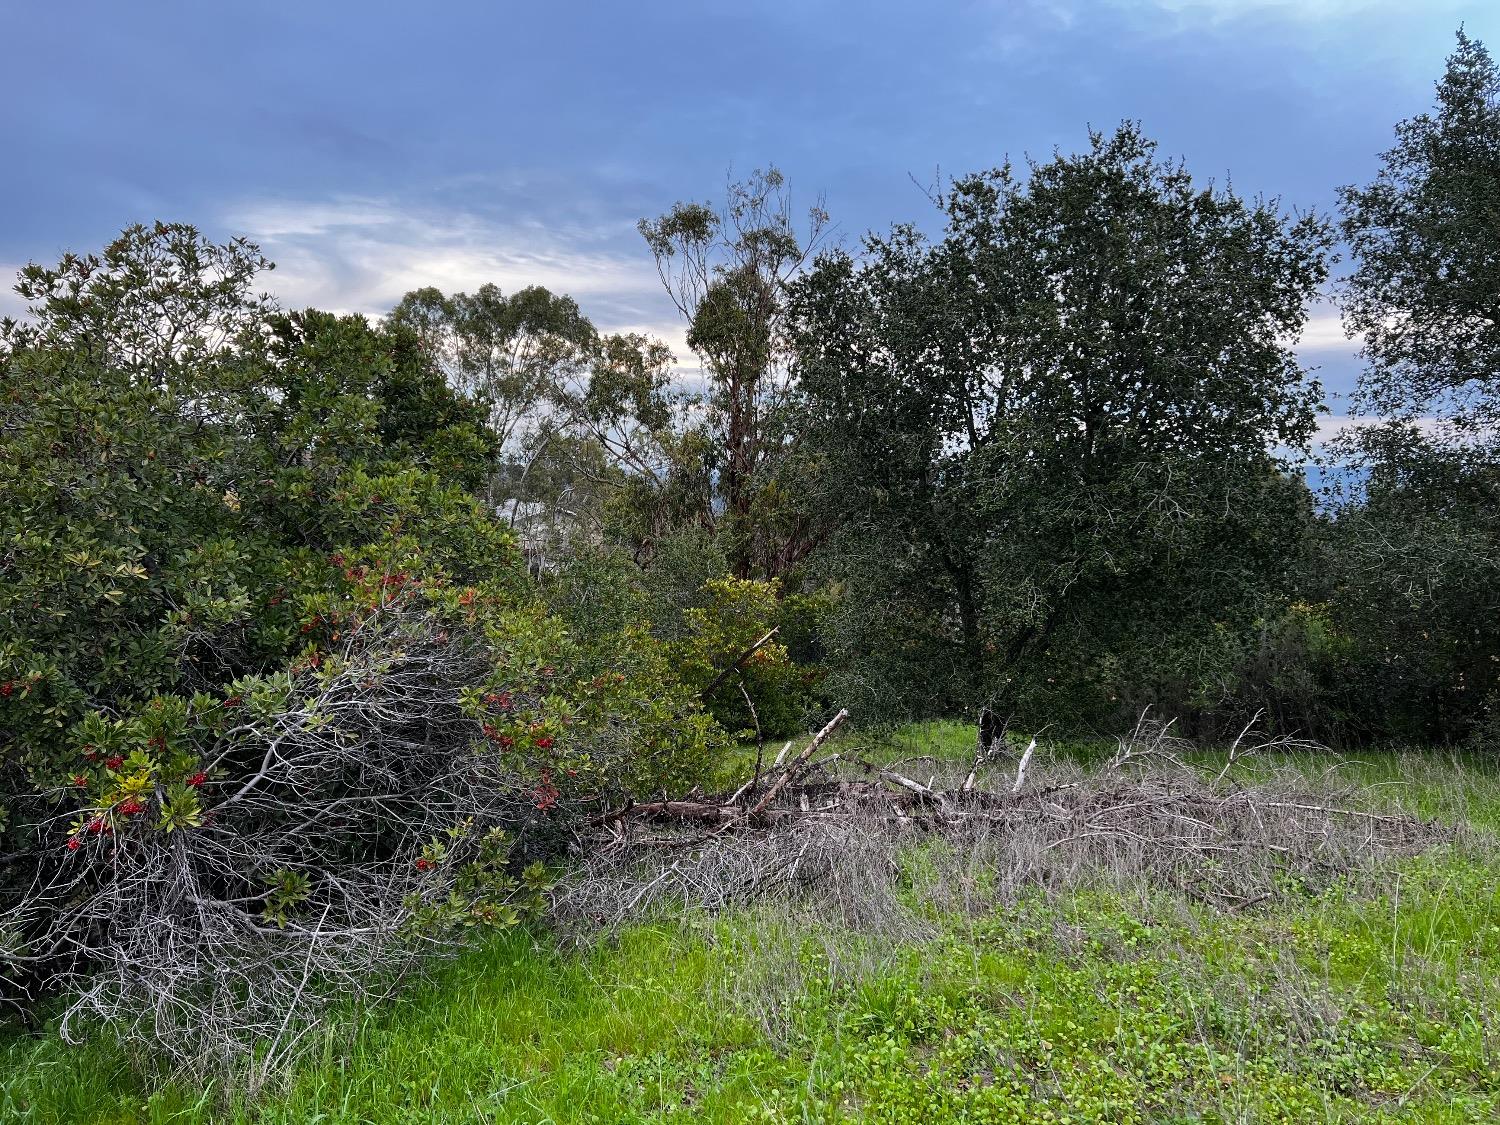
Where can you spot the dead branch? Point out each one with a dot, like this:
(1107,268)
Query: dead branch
(787,774)
(1021,769)
(738,660)
(1145,814)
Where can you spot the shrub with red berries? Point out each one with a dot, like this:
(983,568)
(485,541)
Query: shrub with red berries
(284,651)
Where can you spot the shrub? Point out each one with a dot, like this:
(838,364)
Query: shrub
(767,694)
(279,708)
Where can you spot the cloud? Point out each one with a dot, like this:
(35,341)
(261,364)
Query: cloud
(10,304)
(686,370)
(1331,426)
(361,255)
(1324,331)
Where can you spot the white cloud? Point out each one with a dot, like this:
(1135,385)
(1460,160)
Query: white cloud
(1324,331)
(361,255)
(1331,426)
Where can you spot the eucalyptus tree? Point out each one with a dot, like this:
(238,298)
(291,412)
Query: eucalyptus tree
(598,442)
(511,352)
(1054,430)
(727,270)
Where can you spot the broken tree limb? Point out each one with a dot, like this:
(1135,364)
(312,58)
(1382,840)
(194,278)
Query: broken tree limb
(1021,769)
(979,757)
(924,792)
(738,660)
(755,778)
(786,775)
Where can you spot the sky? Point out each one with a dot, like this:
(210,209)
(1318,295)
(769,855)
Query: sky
(374,147)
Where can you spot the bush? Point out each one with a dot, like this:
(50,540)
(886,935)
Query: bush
(279,708)
(766,694)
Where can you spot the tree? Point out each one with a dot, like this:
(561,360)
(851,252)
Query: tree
(648,432)
(276,697)
(727,272)
(1053,429)
(1418,564)
(1425,236)
(513,354)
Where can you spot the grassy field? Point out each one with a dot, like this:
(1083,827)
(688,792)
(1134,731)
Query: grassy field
(1372,997)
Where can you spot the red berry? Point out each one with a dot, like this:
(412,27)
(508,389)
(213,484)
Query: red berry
(7,687)
(74,844)
(114,763)
(197,779)
(544,742)
(80,780)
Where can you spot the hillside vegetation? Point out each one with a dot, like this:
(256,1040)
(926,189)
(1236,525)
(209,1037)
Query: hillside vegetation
(455,712)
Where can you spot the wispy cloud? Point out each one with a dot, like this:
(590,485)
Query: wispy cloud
(362,255)
(1324,332)
(1330,426)
(10,304)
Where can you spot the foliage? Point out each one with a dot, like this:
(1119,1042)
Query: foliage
(1050,430)
(727,271)
(1427,275)
(767,694)
(1417,546)
(596,443)
(165,506)
(683,610)
(272,682)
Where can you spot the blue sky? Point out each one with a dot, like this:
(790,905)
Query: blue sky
(373,147)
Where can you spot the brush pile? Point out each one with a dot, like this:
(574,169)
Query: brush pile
(837,827)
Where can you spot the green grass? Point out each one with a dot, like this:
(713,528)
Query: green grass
(1375,1000)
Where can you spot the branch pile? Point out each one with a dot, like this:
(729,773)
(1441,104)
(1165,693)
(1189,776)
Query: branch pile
(835,825)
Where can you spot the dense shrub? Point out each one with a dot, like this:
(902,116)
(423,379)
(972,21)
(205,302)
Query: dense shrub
(701,621)
(279,708)
(766,694)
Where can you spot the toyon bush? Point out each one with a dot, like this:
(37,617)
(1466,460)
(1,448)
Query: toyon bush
(280,714)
